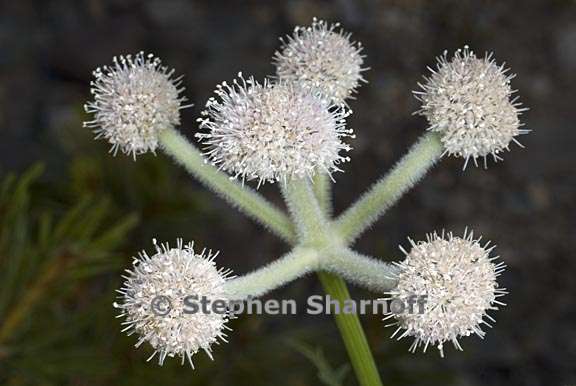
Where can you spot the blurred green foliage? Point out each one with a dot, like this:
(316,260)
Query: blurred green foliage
(50,252)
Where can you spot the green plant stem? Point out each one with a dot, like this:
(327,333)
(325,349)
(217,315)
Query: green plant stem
(323,191)
(365,271)
(368,272)
(238,195)
(311,224)
(287,268)
(388,190)
(352,333)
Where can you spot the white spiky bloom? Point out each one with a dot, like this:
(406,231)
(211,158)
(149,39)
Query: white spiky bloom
(272,132)
(323,57)
(468,100)
(134,100)
(458,278)
(152,301)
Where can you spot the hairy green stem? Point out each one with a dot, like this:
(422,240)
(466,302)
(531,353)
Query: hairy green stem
(287,268)
(362,270)
(388,190)
(311,225)
(238,195)
(323,192)
(365,271)
(352,333)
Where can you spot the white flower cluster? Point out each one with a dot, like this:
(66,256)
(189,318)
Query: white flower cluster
(152,301)
(134,100)
(468,100)
(273,131)
(322,57)
(458,278)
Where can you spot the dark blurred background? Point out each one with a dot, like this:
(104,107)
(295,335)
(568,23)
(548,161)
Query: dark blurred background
(71,216)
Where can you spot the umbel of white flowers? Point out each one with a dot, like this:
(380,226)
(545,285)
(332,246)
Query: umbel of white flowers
(273,132)
(458,278)
(152,301)
(321,57)
(468,100)
(290,130)
(134,100)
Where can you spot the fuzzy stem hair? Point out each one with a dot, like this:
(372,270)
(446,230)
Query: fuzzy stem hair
(323,191)
(314,230)
(365,271)
(388,190)
(236,194)
(352,333)
(361,270)
(276,274)
(311,224)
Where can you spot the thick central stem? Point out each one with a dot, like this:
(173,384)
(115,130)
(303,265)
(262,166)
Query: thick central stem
(352,333)
(313,227)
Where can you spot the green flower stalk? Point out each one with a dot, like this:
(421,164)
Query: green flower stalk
(311,224)
(369,272)
(314,229)
(238,195)
(322,187)
(290,267)
(388,190)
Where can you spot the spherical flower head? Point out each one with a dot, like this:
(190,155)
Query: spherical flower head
(468,101)
(456,279)
(273,132)
(134,100)
(323,57)
(152,301)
